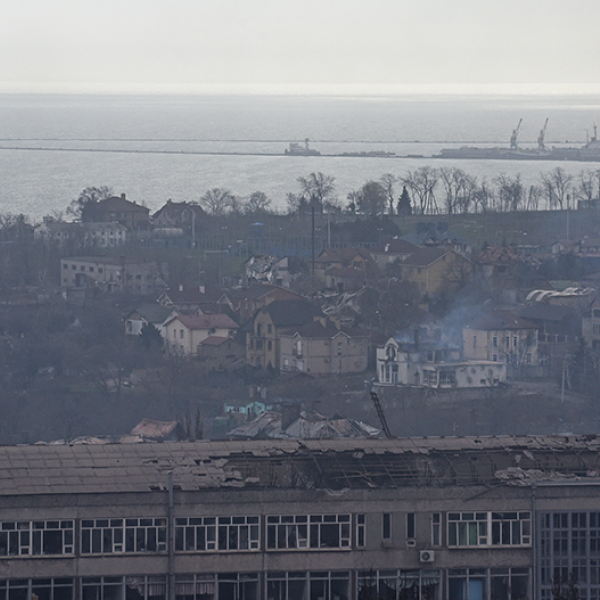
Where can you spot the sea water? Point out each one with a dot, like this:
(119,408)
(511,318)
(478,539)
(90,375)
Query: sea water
(155,147)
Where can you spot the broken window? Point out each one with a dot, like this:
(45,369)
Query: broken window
(238,533)
(108,536)
(308,532)
(489,529)
(394,583)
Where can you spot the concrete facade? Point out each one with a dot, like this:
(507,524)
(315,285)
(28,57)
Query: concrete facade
(502,518)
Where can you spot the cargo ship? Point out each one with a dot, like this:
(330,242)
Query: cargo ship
(295,149)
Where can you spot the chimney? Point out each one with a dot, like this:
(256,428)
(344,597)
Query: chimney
(123,197)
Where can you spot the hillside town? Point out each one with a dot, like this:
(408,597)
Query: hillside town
(220,401)
(210,318)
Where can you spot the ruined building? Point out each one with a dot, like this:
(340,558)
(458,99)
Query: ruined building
(496,518)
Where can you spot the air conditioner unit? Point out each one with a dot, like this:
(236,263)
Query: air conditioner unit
(427,556)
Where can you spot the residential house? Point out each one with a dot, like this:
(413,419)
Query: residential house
(438,235)
(246,301)
(77,236)
(185,216)
(146,314)
(268,269)
(198,299)
(433,364)
(434,270)
(501,336)
(185,333)
(343,269)
(394,250)
(559,330)
(218,353)
(117,208)
(322,348)
(263,339)
(113,274)
(104,235)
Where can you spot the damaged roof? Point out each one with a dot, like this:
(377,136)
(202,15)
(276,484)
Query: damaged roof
(299,464)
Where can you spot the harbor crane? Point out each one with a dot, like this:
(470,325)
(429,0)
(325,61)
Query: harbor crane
(514,136)
(541,145)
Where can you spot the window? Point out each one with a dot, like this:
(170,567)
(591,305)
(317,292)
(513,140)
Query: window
(410,525)
(386,526)
(26,538)
(361,541)
(269,328)
(436,529)
(269,345)
(195,587)
(515,341)
(447,377)
(474,341)
(308,532)
(181,333)
(110,536)
(339,348)
(138,587)
(242,586)
(495,342)
(501,583)
(55,588)
(237,533)
(201,534)
(489,529)
(394,583)
(313,585)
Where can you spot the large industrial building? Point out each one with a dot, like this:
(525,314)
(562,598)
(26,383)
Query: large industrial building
(486,518)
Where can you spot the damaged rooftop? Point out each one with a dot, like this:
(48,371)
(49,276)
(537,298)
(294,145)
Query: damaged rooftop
(299,464)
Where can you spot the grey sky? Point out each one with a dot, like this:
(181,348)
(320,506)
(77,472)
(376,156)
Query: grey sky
(300,41)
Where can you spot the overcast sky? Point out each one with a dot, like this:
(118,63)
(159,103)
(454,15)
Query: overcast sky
(198,42)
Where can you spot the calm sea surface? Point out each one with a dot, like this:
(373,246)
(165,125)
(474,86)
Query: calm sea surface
(158,147)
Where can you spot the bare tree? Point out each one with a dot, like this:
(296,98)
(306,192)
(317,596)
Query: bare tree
(257,202)
(483,197)
(421,184)
(534,194)
(388,181)
(557,185)
(317,188)
(586,186)
(459,188)
(510,191)
(217,201)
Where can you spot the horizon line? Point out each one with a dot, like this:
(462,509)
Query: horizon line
(454,89)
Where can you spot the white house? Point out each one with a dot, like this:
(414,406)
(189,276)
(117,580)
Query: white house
(184,333)
(435,366)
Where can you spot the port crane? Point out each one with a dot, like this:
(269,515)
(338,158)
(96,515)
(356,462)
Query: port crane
(514,136)
(541,145)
